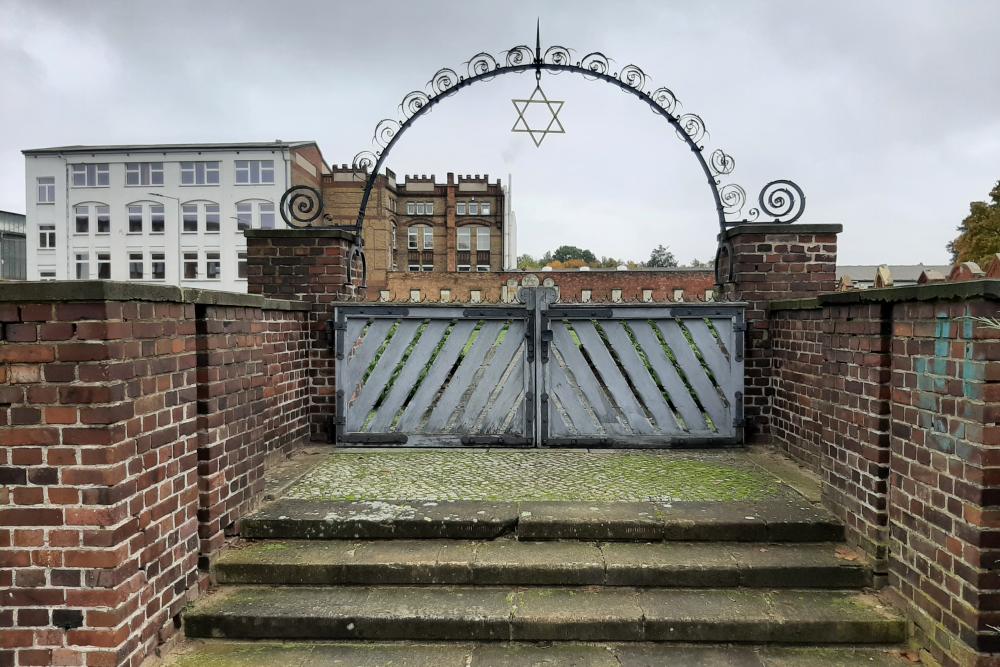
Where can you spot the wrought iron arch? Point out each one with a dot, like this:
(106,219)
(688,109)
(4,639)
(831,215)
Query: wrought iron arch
(779,201)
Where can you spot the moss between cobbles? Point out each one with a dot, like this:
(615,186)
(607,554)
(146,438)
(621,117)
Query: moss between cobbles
(537,476)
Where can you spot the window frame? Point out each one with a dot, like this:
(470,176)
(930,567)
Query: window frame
(153,261)
(254,169)
(47,236)
(100,169)
(78,262)
(201,168)
(146,173)
(47,188)
(132,263)
(186,260)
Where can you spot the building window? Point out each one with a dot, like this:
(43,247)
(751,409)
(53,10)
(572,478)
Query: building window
(144,173)
(445,295)
(46,192)
(135,265)
(254,215)
(647,295)
(473,208)
(142,214)
(585,296)
(241,265)
(392,247)
(135,219)
(92,216)
(104,265)
(46,273)
(475,296)
(199,173)
(482,249)
(156,219)
(83,266)
(484,208)
(254,172)
(420,208)
(460,208)
(415,295)
(411,208)
(616,295)
(190,266)
(211,218)
(411,238)
(189,217)
(90,175)
(47,236)
(158,264)
(213,266)
(678,294)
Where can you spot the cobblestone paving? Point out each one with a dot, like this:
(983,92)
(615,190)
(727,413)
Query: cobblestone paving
(497,475)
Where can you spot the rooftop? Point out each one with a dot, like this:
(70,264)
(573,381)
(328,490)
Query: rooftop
(159,148)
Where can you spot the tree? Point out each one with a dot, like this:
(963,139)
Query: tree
(979,233)
(661,257)
(699,264)
(527,262)
(565,253)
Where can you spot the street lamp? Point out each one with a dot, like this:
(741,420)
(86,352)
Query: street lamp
(180,262)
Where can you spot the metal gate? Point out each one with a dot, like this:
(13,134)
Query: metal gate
(612,375)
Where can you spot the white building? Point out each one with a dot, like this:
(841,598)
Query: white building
(172,213)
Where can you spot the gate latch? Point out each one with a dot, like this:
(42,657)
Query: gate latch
(546,342)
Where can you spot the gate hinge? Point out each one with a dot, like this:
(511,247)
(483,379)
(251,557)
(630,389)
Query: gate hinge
(546,340)
(738,420)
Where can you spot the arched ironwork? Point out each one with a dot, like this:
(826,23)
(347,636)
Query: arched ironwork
(780,201)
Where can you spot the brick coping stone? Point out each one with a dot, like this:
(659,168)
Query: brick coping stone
(782,228)
(110,290)
(989,289)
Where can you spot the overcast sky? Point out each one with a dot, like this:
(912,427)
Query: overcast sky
(886,113)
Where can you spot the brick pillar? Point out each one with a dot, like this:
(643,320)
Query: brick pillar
(760,263)
(309,265)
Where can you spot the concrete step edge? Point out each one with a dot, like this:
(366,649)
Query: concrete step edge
(507,562)
(546,614)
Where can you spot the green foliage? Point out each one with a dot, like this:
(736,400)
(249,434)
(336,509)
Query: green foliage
(526,262)
(661,257)
(979,233)
(564,253)
(700,264)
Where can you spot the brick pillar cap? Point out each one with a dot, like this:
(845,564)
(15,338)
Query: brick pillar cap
(307,232)
(780,228)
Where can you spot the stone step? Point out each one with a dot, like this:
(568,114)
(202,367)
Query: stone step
(545,614)
(199,653)
(786,519)
(515,563)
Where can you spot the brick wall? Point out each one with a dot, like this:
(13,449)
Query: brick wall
(310,266)
(134,425)
(759,263)
(694,283)
(894,397)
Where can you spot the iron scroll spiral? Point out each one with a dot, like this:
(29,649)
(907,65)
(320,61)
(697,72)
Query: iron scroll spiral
(780,201)
(301,205)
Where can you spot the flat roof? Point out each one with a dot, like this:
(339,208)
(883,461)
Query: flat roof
(157,148)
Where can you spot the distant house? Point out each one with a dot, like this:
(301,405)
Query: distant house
(13,253)
(865,276)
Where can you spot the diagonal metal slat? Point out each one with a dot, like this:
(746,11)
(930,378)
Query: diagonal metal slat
(613,378)
(358,409)
(585,380)
(360,354)
(671,381)
(511,394)
(409,376)
(696,375)
(571,399)
(460,380)
(512,343)
(436,376)
(708,345)
(649,393)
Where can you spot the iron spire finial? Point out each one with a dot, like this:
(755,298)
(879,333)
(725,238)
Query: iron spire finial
(538,49)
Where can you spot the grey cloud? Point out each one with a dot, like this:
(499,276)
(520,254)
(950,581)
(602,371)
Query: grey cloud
(884,111)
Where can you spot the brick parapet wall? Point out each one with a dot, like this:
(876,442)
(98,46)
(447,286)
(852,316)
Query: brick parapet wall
(761,263)
(908,424)
(661,282)
(311,266)
(107,405)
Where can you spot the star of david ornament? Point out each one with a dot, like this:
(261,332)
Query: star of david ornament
(543,108)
